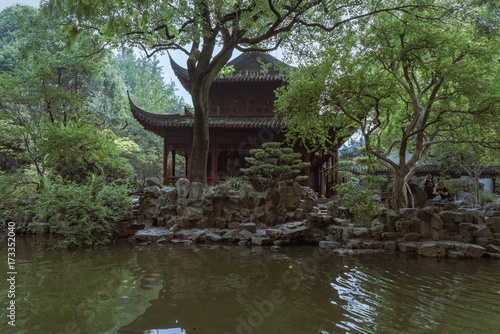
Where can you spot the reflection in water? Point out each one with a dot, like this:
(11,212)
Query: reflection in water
(207,289)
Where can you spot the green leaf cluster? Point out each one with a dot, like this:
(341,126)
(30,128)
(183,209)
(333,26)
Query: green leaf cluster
(362,201)
(86,214)
(237,183)
(272,164)
(404,81)
(360,193)
(76,153)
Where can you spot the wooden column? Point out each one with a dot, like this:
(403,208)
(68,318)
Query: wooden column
(213,162)
(188,162)
(173,163)
(165,161)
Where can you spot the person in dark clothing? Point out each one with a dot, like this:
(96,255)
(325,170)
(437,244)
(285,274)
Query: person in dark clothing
(429,186)
(442,191)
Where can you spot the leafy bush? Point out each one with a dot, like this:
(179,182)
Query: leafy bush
(459,185)
(78,152)
(489,197)
(85,213)
(236,183)
(361,192)
(17,185)
(272,164)
(363,201)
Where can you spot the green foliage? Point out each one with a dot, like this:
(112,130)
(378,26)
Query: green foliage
(86,214)
(17,185)
(361,192)
(466,156)
(404,82)
(272,164)
(455,186)
(237,183)
(9,24)
(46,84)
(300,102)
(363,202)
(207,32)
(143,78)
(226,71)
(77,152)
(489,197)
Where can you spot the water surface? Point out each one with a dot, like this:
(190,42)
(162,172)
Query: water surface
(214,289)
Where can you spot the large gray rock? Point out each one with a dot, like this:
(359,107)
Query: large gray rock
(273,196)
(153,181)
(183,187)
(329,244)
(493,222)
(221,191)
(407,225)
(364,244)
(245,197)
(244,235)
(482,230)
(231,236)
(153,234)
(431,249)
(332,209)
(249,226)
(436,222)
(152,191)
(319,220)
(193,213)
(213,237)
(169,195)
(292,201)
(450,249)
(407,247)
(196,191)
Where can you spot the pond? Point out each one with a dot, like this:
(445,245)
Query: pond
(215,289)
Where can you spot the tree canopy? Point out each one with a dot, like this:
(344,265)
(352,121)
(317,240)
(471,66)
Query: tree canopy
(406,82)
(45,84)
(66,130)
(208,32)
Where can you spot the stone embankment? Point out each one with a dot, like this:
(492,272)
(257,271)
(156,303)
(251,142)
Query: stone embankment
(292,215)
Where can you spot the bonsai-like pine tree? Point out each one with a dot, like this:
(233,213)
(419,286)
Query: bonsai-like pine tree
(272,164)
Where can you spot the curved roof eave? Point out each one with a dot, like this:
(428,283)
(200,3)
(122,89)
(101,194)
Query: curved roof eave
(159,123)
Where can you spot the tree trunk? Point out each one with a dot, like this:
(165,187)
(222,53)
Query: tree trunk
(200,144)
(203,68)
(477,193)
(398,199)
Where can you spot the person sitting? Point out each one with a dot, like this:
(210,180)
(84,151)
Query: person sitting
(429,186)
(442,191)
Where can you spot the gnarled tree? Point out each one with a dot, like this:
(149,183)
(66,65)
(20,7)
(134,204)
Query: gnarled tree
(208,32)
(406,83)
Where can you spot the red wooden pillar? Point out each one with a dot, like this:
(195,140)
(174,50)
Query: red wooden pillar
(213,161)
(188,162)
(165,161)
(173,163)
(214,179)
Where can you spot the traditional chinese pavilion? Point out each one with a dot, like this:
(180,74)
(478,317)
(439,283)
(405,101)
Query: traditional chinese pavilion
(241,117)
